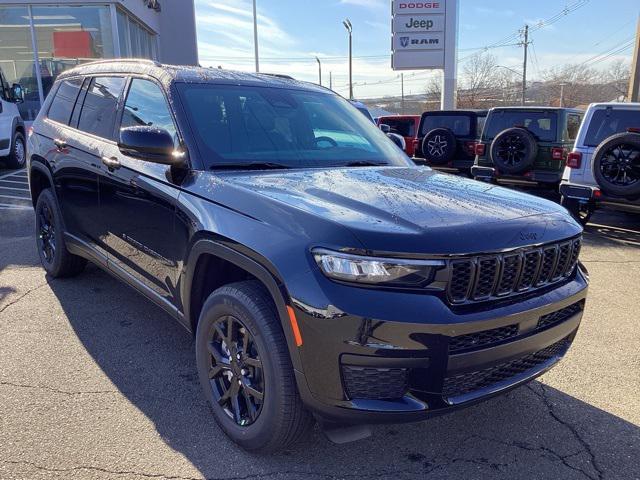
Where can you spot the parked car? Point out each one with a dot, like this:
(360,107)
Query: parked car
(446,139)
(526,145)
(604,167)
(362,108)
(12,133)
(404,125)
(324,275)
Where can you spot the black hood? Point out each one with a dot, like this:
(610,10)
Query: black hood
(408,210)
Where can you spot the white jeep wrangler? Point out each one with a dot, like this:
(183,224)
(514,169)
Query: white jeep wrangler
(604,167)
(12,132)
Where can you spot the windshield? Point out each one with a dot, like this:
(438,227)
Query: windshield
(609,122)
(252,126)
(541,124)
(460,125)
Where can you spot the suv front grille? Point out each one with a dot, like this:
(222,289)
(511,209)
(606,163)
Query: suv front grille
(480,379)
(374,383)
(479,278)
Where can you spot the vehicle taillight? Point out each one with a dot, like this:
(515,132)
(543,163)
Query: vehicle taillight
(471,147)
(574,160)
(479,147)
(633,130)
(557,153)
(597,194)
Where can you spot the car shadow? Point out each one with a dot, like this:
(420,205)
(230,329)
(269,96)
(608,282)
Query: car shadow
(151,360)
(610,228)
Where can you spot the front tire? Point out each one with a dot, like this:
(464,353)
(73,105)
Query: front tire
(18,155)
(245,369)
(54,256)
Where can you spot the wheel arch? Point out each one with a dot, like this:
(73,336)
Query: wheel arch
(209,257)
(39,178)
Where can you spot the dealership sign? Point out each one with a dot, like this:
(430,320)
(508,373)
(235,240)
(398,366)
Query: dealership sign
(419,33)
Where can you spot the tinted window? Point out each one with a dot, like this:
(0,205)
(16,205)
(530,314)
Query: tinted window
(541,124)
(609,122)
(404,127)
(62,104)
(147,106)
(460,125)
(573,125)
(100,105)
(481,119)
(295,128)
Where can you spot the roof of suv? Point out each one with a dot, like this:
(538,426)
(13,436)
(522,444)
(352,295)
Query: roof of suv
(539,108)
(617,105)
(179,73)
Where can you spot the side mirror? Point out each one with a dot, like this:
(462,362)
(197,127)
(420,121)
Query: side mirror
(151,144)
(385,128)
(398,140)
(17,93)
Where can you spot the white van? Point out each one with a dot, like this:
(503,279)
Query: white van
(12,132)
(604,167)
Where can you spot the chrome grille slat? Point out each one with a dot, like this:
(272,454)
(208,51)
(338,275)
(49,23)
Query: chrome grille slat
(481,277)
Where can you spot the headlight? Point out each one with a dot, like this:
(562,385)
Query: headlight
(375,270)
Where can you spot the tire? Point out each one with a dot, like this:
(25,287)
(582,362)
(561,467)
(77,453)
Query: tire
(580,211)
(279,418)
(513,150)
(616,165)
(439,146)
(54,256)
(17,157)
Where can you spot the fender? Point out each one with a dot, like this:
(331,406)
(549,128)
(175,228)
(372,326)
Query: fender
(212,247)
(17,122)
(37,164)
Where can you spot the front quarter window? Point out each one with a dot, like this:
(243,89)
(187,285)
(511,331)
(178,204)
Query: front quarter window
(291,128)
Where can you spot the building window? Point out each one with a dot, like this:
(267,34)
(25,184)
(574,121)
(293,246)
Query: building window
(16,57)
(135,40)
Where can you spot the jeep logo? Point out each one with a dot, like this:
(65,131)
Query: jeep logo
(422,24)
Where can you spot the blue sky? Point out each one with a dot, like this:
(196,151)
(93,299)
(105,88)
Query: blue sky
(292,33)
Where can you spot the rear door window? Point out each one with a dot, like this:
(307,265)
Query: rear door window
(543,125)
(460,125)
(100,106)
(573,125)
(607,122)
(405,127)
(64,100)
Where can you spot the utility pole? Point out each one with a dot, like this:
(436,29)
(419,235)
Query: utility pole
(319,71)
(330,80)
(349,27)
(402,90)
(634,81)
(525,43)
(562,94)
(255,35)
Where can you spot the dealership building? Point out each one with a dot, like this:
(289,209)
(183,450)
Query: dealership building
(39,38)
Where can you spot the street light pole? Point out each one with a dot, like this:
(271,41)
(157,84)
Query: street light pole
(319,71)
(255,35)
(349,27)
(562,85)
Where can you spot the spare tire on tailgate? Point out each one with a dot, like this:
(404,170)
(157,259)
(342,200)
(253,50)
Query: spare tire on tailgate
(439,146)
(616,165)
(513,150)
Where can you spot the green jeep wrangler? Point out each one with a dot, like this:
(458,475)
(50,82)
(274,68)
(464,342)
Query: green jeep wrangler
(526,145)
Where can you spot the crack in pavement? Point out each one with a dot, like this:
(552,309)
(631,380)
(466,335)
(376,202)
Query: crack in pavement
(55,390)
(21,297)
(585,445)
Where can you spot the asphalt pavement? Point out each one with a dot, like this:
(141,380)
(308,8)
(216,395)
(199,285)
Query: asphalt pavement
(98,383)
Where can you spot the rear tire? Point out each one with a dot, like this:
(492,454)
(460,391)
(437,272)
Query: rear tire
(513,150)
(616,165)
(439,146)
(267,424)
(54,256)
(17,157)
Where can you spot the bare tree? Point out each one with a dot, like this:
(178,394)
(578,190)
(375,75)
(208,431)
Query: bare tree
(478,81)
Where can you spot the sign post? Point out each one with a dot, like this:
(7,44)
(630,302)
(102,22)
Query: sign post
(424,37)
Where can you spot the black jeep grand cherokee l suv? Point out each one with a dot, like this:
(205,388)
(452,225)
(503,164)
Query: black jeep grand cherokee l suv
(324,275)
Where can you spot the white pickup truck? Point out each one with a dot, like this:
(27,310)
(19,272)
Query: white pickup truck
(12,131)
(604,167)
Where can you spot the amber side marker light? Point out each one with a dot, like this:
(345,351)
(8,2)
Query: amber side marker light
(294,326)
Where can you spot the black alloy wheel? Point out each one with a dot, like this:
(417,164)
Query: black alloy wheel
(437,146)
(236,374)
(513,150)
(620,165)
(46,233)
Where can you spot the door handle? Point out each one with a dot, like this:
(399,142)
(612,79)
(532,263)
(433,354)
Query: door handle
(112,163)
(60,144)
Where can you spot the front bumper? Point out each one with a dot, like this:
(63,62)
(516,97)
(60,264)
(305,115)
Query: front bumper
(432,356)
(530,178)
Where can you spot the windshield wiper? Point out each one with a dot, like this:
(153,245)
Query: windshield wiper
(249,166)
(363,163)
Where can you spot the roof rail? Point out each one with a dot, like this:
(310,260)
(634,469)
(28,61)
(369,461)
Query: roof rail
(278,75)
(121,60)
